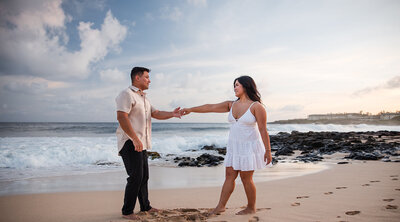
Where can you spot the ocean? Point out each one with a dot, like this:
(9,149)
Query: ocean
(35,150)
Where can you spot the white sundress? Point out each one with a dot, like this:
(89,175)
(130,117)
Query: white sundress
(245,150)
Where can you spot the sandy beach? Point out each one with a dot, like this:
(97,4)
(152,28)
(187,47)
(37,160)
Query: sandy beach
(358,191)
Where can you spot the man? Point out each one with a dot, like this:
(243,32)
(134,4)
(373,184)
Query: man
(134,113)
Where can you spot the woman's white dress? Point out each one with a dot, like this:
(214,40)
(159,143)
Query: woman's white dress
(245,150)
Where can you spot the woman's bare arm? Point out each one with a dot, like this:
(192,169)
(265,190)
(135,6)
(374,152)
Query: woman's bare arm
(261,118)
(209,108)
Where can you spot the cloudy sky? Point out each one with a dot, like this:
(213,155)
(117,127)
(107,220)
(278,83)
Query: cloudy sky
(68,60)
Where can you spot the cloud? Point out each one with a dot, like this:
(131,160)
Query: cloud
(170,13)
(113,75)
(291,108)
(198,3)
(34,41)
(393,83)
(29,85)
(33,87)
(95,44)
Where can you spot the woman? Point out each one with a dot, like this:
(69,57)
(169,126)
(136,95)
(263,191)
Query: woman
(248,145)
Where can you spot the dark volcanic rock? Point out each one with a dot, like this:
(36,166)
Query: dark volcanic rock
(274,160)
(203,160)
(331,148)
(208,147)
(221,151)
(364,156)
(284,152)
(362,145)
(310,157)
(317,144)
(153,155)
(209,160)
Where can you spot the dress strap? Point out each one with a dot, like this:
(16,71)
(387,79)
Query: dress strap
(252,104)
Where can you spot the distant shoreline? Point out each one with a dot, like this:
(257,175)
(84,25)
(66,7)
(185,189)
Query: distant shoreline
(338,121)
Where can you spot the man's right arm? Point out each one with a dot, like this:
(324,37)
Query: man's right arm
(126,126)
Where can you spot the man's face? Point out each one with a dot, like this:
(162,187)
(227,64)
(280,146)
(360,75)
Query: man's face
(143,81)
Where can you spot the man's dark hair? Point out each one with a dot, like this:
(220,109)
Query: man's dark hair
(138,71)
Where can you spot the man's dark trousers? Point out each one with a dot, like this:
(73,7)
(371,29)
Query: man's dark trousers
(137,167)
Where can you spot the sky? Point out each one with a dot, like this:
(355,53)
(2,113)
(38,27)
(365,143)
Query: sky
(66,61)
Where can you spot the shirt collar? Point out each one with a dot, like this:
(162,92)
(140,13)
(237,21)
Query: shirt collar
(136,89)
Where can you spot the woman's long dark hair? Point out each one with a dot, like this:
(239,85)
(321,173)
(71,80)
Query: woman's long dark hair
(250,87)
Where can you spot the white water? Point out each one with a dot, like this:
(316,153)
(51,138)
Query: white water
(27,154)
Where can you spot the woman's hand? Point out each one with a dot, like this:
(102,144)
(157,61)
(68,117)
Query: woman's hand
(267,157)
(185,111)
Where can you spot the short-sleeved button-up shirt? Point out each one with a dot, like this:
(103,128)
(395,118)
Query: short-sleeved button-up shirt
(134,102)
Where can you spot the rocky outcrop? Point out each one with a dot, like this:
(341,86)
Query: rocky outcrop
(359,145)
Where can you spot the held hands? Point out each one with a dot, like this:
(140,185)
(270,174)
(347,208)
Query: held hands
(177,112)
(185,111)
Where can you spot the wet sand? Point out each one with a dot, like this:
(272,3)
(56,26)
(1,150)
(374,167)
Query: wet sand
(358,191)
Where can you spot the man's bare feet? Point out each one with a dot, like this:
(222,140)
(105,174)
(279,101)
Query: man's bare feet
(246,211)
(217,211)
(153,210)
(131,217)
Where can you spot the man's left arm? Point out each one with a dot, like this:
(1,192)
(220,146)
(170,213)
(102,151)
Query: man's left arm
(161,115)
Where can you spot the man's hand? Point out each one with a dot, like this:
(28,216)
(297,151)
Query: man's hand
(138,145)
(177,113)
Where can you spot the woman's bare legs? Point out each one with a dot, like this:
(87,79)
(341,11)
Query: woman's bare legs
(227,189)
(250,189)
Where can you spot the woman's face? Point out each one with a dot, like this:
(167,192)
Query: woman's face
(239,90)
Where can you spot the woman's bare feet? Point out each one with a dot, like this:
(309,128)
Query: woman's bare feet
(217,211)
(131,217)
(246,211)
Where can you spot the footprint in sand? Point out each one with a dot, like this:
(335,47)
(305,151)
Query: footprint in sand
(397,189)
(338,188)
(261,209)
(182,214)
(366,185)
(388,200)
(328,193)
(395,179)
(391,207)
(394,175)
(295,204)
(301,197)
(185,210)
(254,219)
(374,181)
(354,212)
